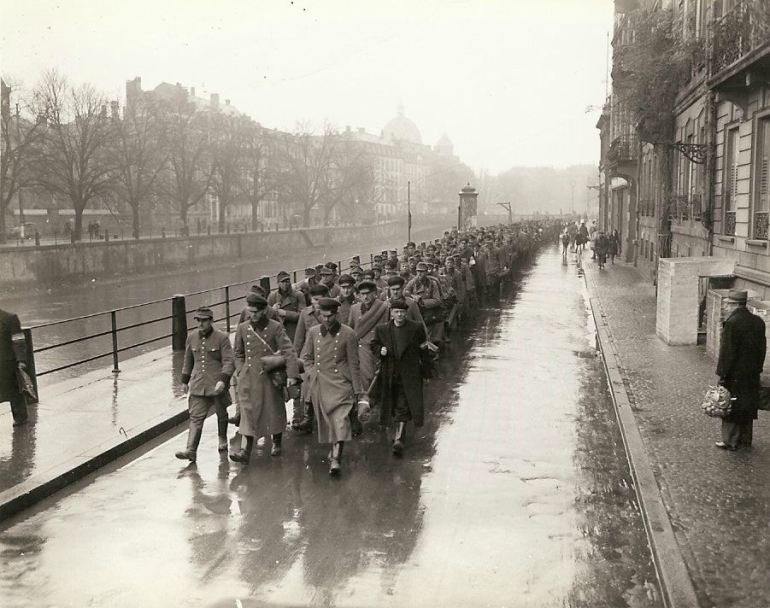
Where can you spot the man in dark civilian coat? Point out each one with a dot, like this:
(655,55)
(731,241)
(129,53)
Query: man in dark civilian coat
(399,345)
(11,357)
(741,357)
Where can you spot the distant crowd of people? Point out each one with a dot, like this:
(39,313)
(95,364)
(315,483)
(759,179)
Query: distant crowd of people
(576,235)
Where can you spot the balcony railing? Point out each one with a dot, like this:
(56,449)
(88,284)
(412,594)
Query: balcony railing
(760,225)
(742,29)
(729,229)
(696,207)
(624,148)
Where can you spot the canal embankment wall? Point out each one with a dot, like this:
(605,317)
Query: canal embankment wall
(52,264)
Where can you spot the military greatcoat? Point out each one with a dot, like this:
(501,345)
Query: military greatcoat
(334,379)
(263,410)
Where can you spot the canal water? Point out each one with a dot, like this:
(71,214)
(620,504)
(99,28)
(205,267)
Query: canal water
(515,493)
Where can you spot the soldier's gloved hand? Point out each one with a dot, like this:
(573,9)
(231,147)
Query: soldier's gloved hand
(219,387)
(384,351)
(185,388)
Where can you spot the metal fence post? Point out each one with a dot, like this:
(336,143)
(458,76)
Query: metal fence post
(227,306)
(114,321)
(29,360)
(178,322)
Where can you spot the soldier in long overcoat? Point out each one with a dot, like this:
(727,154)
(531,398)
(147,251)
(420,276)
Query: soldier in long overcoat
(330,357)
(364,317)
(206,372)
(400,345)
(741,357)
(12,356)
(303,417)
(263,410)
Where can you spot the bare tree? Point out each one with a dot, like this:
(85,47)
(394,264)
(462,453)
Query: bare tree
(352,183)
(72,159)
(306,162)
(259,170)
(139,155)
(229,140)
(190,170)
(20,132)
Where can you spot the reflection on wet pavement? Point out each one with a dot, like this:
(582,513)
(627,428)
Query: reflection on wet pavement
(516,492)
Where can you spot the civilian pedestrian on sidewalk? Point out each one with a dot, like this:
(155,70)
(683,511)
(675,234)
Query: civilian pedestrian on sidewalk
(741,357)
(208,365)
(602,247)
(12,357)
(614,246)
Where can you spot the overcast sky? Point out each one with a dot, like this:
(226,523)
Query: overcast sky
(508,80)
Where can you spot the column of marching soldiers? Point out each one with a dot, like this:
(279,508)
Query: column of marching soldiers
(337,345)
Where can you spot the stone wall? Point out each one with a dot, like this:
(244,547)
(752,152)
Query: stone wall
(50,264)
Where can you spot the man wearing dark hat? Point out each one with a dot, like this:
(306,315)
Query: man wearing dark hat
(357,273)
(346,298)
(328,278)
(206,371)
(271,314)
(12,356)
(302,420)
(263,411)
(287,303)
(330,357)
(741,357)
(400,344)
(307,283)
(426,292)
(395,291)
(364,317)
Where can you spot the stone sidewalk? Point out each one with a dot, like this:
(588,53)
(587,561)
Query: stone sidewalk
(718,502)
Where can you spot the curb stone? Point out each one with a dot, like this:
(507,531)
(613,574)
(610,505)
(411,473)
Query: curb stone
(676,584)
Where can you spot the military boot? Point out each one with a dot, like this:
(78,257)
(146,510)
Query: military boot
(398,439)
(276,449)
(193,439)
(335,466)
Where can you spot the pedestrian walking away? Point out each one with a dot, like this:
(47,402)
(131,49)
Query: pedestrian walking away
(261,347)
(401,345)
(330,357)
(12,356)
(741,357)
(206,372)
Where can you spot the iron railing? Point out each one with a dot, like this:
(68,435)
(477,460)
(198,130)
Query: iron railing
(729,228)
(223,311)
(742,29)
(760,225)
(623,148)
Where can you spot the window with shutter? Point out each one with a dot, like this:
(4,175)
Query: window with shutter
(762,195)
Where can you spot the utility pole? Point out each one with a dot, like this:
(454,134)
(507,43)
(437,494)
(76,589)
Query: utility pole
(408,211)
(507,207)
(21,198)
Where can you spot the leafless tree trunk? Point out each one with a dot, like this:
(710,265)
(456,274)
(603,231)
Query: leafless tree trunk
(259,170)
(139,157)
(72,159)
(20,132)
(190,170)
(228,149)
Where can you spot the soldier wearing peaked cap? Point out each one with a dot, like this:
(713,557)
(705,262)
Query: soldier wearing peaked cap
(330,357)
(263,411)
(302,420)
(328,278)
(206,371)
(346,298)
(286,303)
(307,283)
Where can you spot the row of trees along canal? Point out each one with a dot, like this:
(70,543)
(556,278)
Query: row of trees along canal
(170,155)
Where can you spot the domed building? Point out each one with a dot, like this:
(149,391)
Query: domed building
(444,146)
(401,128)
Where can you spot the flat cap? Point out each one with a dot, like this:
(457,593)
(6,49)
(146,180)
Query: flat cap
(346,279)
(399,304)
(309,272)
(396,280)
(326,271)
(282,276)
(356,270)
(367,286)
(255,300)
(328,304)
(203,312)
(319,290)
(331,265)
